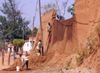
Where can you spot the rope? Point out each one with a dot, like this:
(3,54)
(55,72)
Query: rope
(81,23)
(63,24)
(78,22)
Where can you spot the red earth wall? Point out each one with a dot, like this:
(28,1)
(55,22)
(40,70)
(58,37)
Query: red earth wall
(72,33)
(87,17)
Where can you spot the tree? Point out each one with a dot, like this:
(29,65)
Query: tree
(71,9)
(35,30)
(64,5)
(29,31)
(2,44)
(12,24)
(48,7)
(18,42)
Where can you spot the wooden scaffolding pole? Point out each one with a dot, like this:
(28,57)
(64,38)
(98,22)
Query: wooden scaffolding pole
(41,27)
(33,31)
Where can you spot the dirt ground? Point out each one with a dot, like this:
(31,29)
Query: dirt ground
(5,61)
(50,67)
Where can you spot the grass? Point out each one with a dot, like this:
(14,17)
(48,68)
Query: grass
(98,29)
(68,63)
(82,54)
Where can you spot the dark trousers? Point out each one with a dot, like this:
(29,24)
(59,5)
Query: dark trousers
(25,62)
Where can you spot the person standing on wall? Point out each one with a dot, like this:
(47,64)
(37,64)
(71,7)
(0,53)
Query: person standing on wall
(49,29)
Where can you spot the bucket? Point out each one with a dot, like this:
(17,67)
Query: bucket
(17,68)
(38,54)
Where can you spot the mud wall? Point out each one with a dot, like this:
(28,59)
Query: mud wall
(47,17)
(64,36)
(87,16)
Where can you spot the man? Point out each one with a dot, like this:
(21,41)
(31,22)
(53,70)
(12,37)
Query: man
(24,60)
(60,17)
(39,46)
(49,28)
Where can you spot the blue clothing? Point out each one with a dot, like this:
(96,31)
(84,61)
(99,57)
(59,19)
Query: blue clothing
(15,55)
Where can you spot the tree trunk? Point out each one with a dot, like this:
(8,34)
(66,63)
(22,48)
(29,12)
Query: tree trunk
(9,58)
(58,7)
(14,56)
(2,56)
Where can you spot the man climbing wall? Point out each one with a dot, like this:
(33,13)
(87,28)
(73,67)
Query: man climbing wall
(49,29)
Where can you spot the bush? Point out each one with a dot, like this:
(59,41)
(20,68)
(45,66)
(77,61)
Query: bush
(68,63)
(2,44)
(81,54)
(18,42)
(98,29)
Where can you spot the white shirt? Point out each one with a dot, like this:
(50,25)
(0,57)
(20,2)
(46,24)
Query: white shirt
(24,58)
(48,27)
(38,45)
(12,49)
(8,49)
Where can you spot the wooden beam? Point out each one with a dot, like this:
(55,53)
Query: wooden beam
(41,27)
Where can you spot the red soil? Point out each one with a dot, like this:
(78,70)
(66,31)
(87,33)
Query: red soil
(67,35)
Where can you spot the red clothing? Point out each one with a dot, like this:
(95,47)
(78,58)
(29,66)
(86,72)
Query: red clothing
(49,38)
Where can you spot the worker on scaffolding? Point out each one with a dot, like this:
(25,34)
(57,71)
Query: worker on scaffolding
(38,47)
(59,17)
(49,29)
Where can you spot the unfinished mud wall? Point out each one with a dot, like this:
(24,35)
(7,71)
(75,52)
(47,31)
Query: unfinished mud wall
(87,16)
(63,39)
(47,17)
(64,36)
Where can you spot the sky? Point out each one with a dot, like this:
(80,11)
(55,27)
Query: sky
(28,8)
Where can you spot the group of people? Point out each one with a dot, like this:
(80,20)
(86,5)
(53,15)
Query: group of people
(39,45)
(24,59)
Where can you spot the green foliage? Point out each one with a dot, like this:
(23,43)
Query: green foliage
(92,41)
(35,30)
(89,44)
(29,31)
(18,42)
(81,54)
(2,44)
(98,29)
(71,9)
(68,63)
(12,24)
